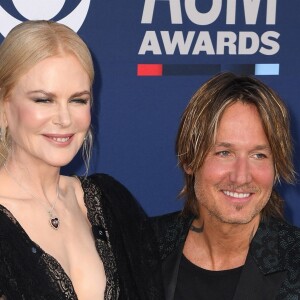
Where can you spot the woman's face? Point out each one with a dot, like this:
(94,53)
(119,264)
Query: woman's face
(48,111)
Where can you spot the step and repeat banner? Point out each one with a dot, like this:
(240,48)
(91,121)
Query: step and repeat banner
(150,57)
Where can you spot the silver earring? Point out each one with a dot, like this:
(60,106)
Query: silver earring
(3,135)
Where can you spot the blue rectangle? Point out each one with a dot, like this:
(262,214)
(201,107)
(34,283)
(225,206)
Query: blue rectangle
(267,69)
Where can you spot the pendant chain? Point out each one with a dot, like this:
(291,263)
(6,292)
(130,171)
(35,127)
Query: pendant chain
(54,221)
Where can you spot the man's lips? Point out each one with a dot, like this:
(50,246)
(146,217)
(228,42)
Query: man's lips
(236,194)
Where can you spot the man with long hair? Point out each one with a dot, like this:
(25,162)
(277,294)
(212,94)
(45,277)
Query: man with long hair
(231,240)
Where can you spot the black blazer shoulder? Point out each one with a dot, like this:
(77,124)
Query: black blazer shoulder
(118,196)
(272,268)
(133,241)
(171,231)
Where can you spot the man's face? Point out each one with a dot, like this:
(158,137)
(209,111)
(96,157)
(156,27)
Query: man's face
(236,179)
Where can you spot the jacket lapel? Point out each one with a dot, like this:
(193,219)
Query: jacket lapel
(264,271)
(170,269)
(176,233)
(254,285)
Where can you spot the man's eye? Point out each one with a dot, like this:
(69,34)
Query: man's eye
(260,155)
(223,153)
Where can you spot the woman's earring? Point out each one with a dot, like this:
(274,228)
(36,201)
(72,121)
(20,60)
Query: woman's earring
(2,135)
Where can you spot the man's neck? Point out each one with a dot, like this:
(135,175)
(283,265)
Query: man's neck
(219,246)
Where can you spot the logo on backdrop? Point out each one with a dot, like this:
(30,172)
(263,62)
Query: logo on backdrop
(226,38)
(43,9)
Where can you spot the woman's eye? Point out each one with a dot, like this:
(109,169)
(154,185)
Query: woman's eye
(80,101)
(42,100)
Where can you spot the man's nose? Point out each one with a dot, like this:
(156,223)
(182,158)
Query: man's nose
(241,171)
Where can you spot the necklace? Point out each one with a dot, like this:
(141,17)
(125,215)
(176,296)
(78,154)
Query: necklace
(53,219)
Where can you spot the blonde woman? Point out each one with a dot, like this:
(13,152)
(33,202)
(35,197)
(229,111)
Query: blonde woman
(61,237)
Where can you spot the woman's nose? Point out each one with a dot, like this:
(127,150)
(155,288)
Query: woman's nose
(62,116)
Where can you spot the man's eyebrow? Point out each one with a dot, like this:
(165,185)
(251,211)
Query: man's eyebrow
(223,144)
(262,147)
(230,145)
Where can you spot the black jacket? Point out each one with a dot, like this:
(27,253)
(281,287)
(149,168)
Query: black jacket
(272,268)
(133,242)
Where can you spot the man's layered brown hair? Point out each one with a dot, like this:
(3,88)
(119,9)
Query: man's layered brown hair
(199,124)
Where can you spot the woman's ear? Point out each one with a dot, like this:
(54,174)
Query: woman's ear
(188,170)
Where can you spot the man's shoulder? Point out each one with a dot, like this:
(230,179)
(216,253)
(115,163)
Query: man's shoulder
(289,237)
(170,230)
(168,219)
(288,233)
(288,258)
(281,235)
(174,221)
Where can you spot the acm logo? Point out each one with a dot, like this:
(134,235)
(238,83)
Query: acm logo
(188,35)
(43,9)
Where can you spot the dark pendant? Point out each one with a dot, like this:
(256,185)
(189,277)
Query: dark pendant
(54,222)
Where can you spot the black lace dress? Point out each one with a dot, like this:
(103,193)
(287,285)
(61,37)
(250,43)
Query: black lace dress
(122,238)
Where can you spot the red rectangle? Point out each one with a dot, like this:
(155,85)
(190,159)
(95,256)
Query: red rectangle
(149,69)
